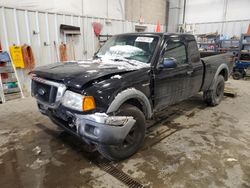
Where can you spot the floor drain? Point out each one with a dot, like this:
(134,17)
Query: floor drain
(118,174)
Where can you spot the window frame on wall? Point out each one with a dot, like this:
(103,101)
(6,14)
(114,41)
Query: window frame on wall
(140,28)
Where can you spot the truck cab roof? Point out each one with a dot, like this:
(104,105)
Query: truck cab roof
(160,34)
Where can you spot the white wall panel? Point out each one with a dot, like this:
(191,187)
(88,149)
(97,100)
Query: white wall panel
(204,11)
(175,16)
(116,9)
(198,11)
(21,25)
(35,38)
(230,17)
(97,8)
(238,10)
(229,28)
(11,26)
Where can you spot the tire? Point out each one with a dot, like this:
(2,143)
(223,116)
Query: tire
(134,139)
(214,96)
(237,75)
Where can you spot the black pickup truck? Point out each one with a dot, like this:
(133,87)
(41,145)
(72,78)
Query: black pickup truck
(105,101)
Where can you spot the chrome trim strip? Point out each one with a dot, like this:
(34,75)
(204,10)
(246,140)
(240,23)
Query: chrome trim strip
(105,119)
(61,88)
(48,82)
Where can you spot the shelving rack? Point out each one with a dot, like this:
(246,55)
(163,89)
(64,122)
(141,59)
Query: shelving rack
(9,83)
(242,65)
(244,53)
(229,45)
(208,42)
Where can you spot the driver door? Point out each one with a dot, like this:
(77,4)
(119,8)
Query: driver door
(172,84)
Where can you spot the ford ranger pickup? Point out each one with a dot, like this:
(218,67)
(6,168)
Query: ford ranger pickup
(105,101)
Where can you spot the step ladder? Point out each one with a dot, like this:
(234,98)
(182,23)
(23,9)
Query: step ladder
(9,83)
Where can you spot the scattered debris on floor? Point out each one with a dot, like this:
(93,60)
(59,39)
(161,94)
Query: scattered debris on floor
(231,160)
(230,92)
(38,163)
(37,150)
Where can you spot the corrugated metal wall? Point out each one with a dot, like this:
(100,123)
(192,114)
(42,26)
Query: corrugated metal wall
(41,31)
(99,8)
(229,28)
(228,17)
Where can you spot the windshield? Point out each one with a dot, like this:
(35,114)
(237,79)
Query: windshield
(134,47)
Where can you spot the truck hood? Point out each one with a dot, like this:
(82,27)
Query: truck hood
(77,74)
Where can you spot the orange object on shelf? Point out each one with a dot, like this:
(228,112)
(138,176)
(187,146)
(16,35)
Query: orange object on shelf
(3,75)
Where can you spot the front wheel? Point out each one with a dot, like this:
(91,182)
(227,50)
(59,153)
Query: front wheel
(214,96)
(133,140)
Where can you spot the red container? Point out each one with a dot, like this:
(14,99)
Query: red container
(3,75)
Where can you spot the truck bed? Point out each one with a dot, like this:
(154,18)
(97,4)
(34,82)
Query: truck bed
(207,54)
(211,65)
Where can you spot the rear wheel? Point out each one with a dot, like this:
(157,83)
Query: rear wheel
(214,96)
(133,140)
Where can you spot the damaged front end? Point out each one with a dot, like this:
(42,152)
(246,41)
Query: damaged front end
(98,128)
(94,128)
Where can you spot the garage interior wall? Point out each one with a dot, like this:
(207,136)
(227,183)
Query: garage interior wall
(228,17)
(96,8)
(40,29)
(150,11)
(175,15)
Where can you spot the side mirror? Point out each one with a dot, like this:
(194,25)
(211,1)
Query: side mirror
(169,63)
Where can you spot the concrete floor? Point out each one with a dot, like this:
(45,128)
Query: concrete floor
(191,145)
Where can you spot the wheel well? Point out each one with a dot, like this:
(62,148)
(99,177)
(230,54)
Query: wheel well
(137,103)
(224,73)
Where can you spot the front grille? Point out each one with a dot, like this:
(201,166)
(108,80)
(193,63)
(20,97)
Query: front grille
(43,92)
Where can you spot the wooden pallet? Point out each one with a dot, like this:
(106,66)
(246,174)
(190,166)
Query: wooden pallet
(230,92)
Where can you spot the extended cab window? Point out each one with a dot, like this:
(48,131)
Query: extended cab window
(176,50)
(193,49)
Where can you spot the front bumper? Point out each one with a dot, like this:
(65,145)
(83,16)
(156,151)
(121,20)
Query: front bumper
(104,129)
(97,128)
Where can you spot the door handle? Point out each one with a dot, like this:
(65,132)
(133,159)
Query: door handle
(189,72)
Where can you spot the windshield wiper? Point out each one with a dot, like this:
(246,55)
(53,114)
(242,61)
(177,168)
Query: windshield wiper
(96,56)
(124,59)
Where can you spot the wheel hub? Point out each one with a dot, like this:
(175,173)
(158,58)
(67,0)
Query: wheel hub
(219,89)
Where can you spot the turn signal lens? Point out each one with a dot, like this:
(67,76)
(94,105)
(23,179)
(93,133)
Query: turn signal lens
(88,103)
